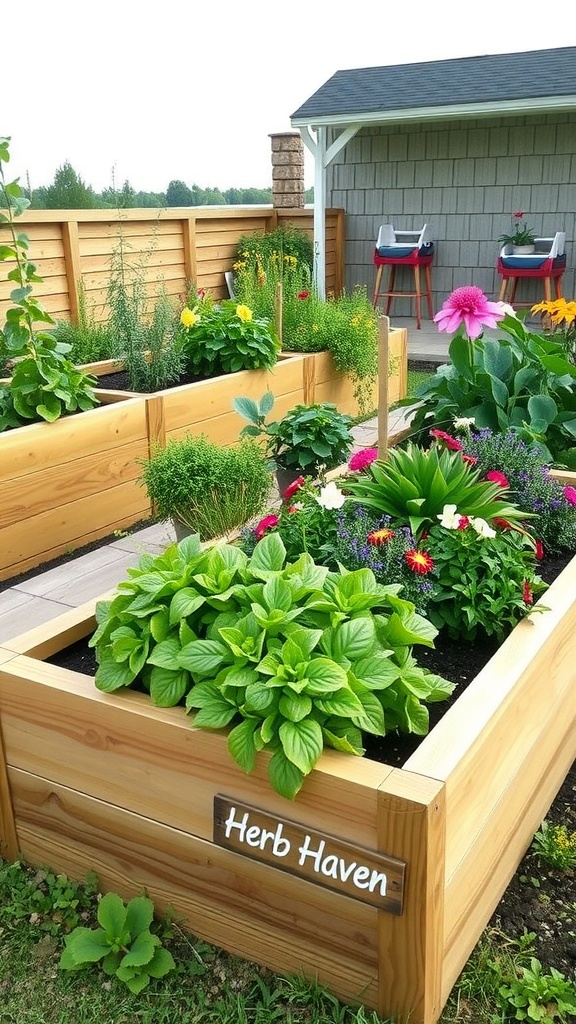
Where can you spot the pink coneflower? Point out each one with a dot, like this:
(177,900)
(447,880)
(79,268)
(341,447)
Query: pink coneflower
(570,494)
(451,442)
(265,524)
(363,458)
(293,488)
(496,477)
(468,306)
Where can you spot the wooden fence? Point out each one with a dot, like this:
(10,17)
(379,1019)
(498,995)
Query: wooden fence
(176,247)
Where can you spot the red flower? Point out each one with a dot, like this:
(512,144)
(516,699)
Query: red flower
(518,215)
(496,477)
(451,442)
(570,494)
(419,561)
(463,522)
(303,295)
(470,459)
(539,549)
(527,593)
(502,523)
(292,488)
(378,537)
(201,293)
(267,523)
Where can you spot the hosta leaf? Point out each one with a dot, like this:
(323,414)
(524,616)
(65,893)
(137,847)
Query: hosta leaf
(284,776)
(302,743)
(353,639)
(184,603)
(168,687)
(241,744)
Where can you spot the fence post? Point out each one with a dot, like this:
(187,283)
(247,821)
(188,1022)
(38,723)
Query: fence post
(383,372)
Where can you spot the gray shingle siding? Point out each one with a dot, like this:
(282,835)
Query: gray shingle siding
(492,169)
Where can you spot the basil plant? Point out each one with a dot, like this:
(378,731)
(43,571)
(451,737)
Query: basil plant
(290,656)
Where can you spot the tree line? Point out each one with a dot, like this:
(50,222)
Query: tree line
(69,192)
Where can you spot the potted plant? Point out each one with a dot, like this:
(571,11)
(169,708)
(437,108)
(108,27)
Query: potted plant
(204,487)
(521,238)
(309,439)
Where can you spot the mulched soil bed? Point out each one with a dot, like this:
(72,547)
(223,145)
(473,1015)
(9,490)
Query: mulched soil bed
(119,381)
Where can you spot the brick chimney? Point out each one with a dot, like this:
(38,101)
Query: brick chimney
(287,170)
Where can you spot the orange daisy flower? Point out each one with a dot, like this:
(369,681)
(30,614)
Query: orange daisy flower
(419,561)
(379,537)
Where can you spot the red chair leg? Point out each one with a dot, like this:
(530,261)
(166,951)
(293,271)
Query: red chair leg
(428,277)
(417,287)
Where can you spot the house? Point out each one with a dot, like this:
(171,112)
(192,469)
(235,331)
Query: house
(459,144)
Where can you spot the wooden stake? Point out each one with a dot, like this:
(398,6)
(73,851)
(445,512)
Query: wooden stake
(383,371)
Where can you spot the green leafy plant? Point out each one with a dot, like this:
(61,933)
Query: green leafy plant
(89,340)
(521,234)
(209,488)
(484,581)
(225,338)
(47,901)
(521,382)
(145,340)
(535,996)
(123,943)
(555,846)
(44,384)
(290,656)
(414,485)
(309,438)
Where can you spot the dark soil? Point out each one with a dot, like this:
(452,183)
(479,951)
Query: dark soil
(538,899)
(119,381)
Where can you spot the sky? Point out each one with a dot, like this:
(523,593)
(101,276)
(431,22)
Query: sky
(149,92)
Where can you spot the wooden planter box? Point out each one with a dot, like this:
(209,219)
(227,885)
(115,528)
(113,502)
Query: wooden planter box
(110,783)
(67,483)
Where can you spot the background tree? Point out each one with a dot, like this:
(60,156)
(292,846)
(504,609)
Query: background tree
(178,194)
(68,191)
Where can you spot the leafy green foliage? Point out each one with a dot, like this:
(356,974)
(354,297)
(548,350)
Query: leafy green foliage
(522,382)
(286,244)
(145,340)
(209,488)
(88,339)
(555,846)
(414,485)
(311,438)
(45,384)
(49,902)
(290,656)
(481,585)
(226,338)
(123,943)
(535,996)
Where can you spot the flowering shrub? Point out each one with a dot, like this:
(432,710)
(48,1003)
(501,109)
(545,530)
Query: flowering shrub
(226,337)
(530,484)
(522,381)
(484,580)
(361,459)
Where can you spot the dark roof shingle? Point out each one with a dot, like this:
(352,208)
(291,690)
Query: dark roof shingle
(494,77)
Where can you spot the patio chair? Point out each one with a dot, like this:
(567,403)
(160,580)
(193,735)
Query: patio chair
(547,262)
(413,249)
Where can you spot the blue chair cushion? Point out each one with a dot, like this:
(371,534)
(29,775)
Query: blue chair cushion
(395,252)
(524,262)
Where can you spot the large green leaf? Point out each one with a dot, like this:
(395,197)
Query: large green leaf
(241,744)
(167,688)
(139,914)
(111,916)
(141,950)
(302,743)
(203,657)
(284,776)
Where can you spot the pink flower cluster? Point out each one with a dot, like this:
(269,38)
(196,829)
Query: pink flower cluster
(363,458)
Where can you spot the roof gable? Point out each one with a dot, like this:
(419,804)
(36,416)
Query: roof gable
(461,80)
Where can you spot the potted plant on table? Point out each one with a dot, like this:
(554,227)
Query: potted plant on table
(522,238)
(309,440)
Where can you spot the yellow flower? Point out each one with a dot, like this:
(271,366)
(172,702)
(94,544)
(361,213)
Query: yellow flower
(243,313)
(188,318)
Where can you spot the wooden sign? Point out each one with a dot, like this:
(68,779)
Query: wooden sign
(324,860)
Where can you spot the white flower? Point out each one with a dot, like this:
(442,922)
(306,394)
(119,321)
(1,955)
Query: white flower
(508,309)
(481,527)
(330,496)
(463,422)
(449,517)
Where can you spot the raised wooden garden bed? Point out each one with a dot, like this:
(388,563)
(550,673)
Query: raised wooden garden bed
(67,483)
(110,783)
